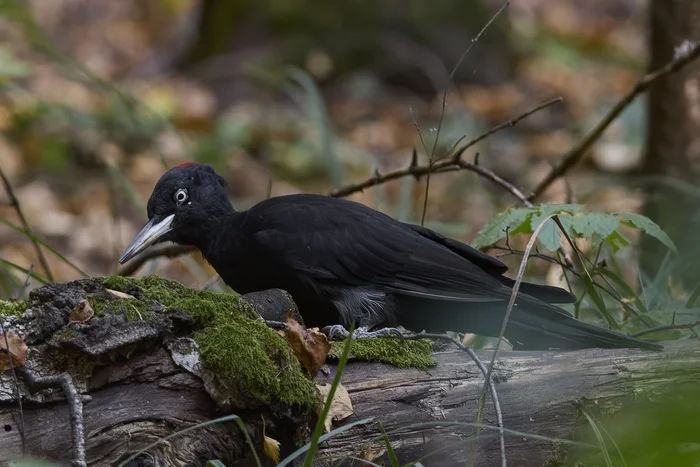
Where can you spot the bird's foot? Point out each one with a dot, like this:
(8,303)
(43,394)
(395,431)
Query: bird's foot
(362,332)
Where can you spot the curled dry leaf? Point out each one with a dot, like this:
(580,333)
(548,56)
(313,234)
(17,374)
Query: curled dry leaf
(119,294)
(272,448)
(341,407)
(16,348)
(82,312)
(310,346)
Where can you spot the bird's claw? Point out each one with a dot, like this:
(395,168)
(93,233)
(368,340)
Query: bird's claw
(335,330)
(362,332)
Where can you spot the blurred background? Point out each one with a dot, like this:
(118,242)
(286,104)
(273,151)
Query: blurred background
(99,98)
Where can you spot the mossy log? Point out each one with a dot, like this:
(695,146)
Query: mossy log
(163,358)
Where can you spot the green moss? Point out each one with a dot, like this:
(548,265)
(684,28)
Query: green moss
(233,341)
(135,310)
(66,335)
(398,352)
(246,351)
(12,308)
(203,305)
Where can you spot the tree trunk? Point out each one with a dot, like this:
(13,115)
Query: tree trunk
(673,136)
(144,386)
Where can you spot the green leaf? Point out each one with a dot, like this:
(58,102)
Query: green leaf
(549,236)
(647,226)
(11,68)
(389,449)
(523,228)
(616,241)
(547,209)
(495,229)
(625,289)
(591,223)
(598,301)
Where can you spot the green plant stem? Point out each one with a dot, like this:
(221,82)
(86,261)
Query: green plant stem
(18,208)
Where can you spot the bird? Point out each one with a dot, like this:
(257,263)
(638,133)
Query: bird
(346,264)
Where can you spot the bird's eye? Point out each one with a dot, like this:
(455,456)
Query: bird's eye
(180,196)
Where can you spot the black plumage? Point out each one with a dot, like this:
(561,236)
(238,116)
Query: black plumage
(344,262)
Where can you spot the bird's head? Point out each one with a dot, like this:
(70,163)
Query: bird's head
(185,202)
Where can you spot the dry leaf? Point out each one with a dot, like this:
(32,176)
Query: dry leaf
(368,452)
(119,294)
(272,448)
(82,312)
(17,350)
(341,407)
(310,346)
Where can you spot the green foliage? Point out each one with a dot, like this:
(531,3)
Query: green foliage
(10,68)
(598,226)
(319,115)
(659,431)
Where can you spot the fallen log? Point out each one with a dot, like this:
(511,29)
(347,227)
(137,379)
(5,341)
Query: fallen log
(156,358)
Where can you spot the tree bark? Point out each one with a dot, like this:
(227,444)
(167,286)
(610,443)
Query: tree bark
(673,137)
(144,392)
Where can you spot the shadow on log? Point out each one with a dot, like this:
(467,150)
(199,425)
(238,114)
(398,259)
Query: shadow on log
(143,352)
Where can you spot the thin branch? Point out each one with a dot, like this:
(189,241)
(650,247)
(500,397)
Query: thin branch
(485,372)
(449,164)
(444,107)
(489,175)
(14,202)
(577,152)
(25,286)
(75,404)
(668,327)
(169,251)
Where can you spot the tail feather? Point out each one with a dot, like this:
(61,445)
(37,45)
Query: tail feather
(533,324)
(529,330)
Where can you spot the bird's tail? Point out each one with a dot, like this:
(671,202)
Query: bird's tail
(543,327)
(533,324)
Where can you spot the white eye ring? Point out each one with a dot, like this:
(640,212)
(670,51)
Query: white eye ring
(181,196)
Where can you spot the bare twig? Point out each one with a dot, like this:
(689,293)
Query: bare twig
(577,152)
(668,327)
(25,286)
(485,372)
(444,107)
(14,202)
(169,251)
(75,403)
(449,164)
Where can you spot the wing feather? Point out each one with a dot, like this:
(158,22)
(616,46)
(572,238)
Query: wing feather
(343,242)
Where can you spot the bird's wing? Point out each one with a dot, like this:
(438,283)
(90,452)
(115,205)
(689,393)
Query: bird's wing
(496,268)
(345,243)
